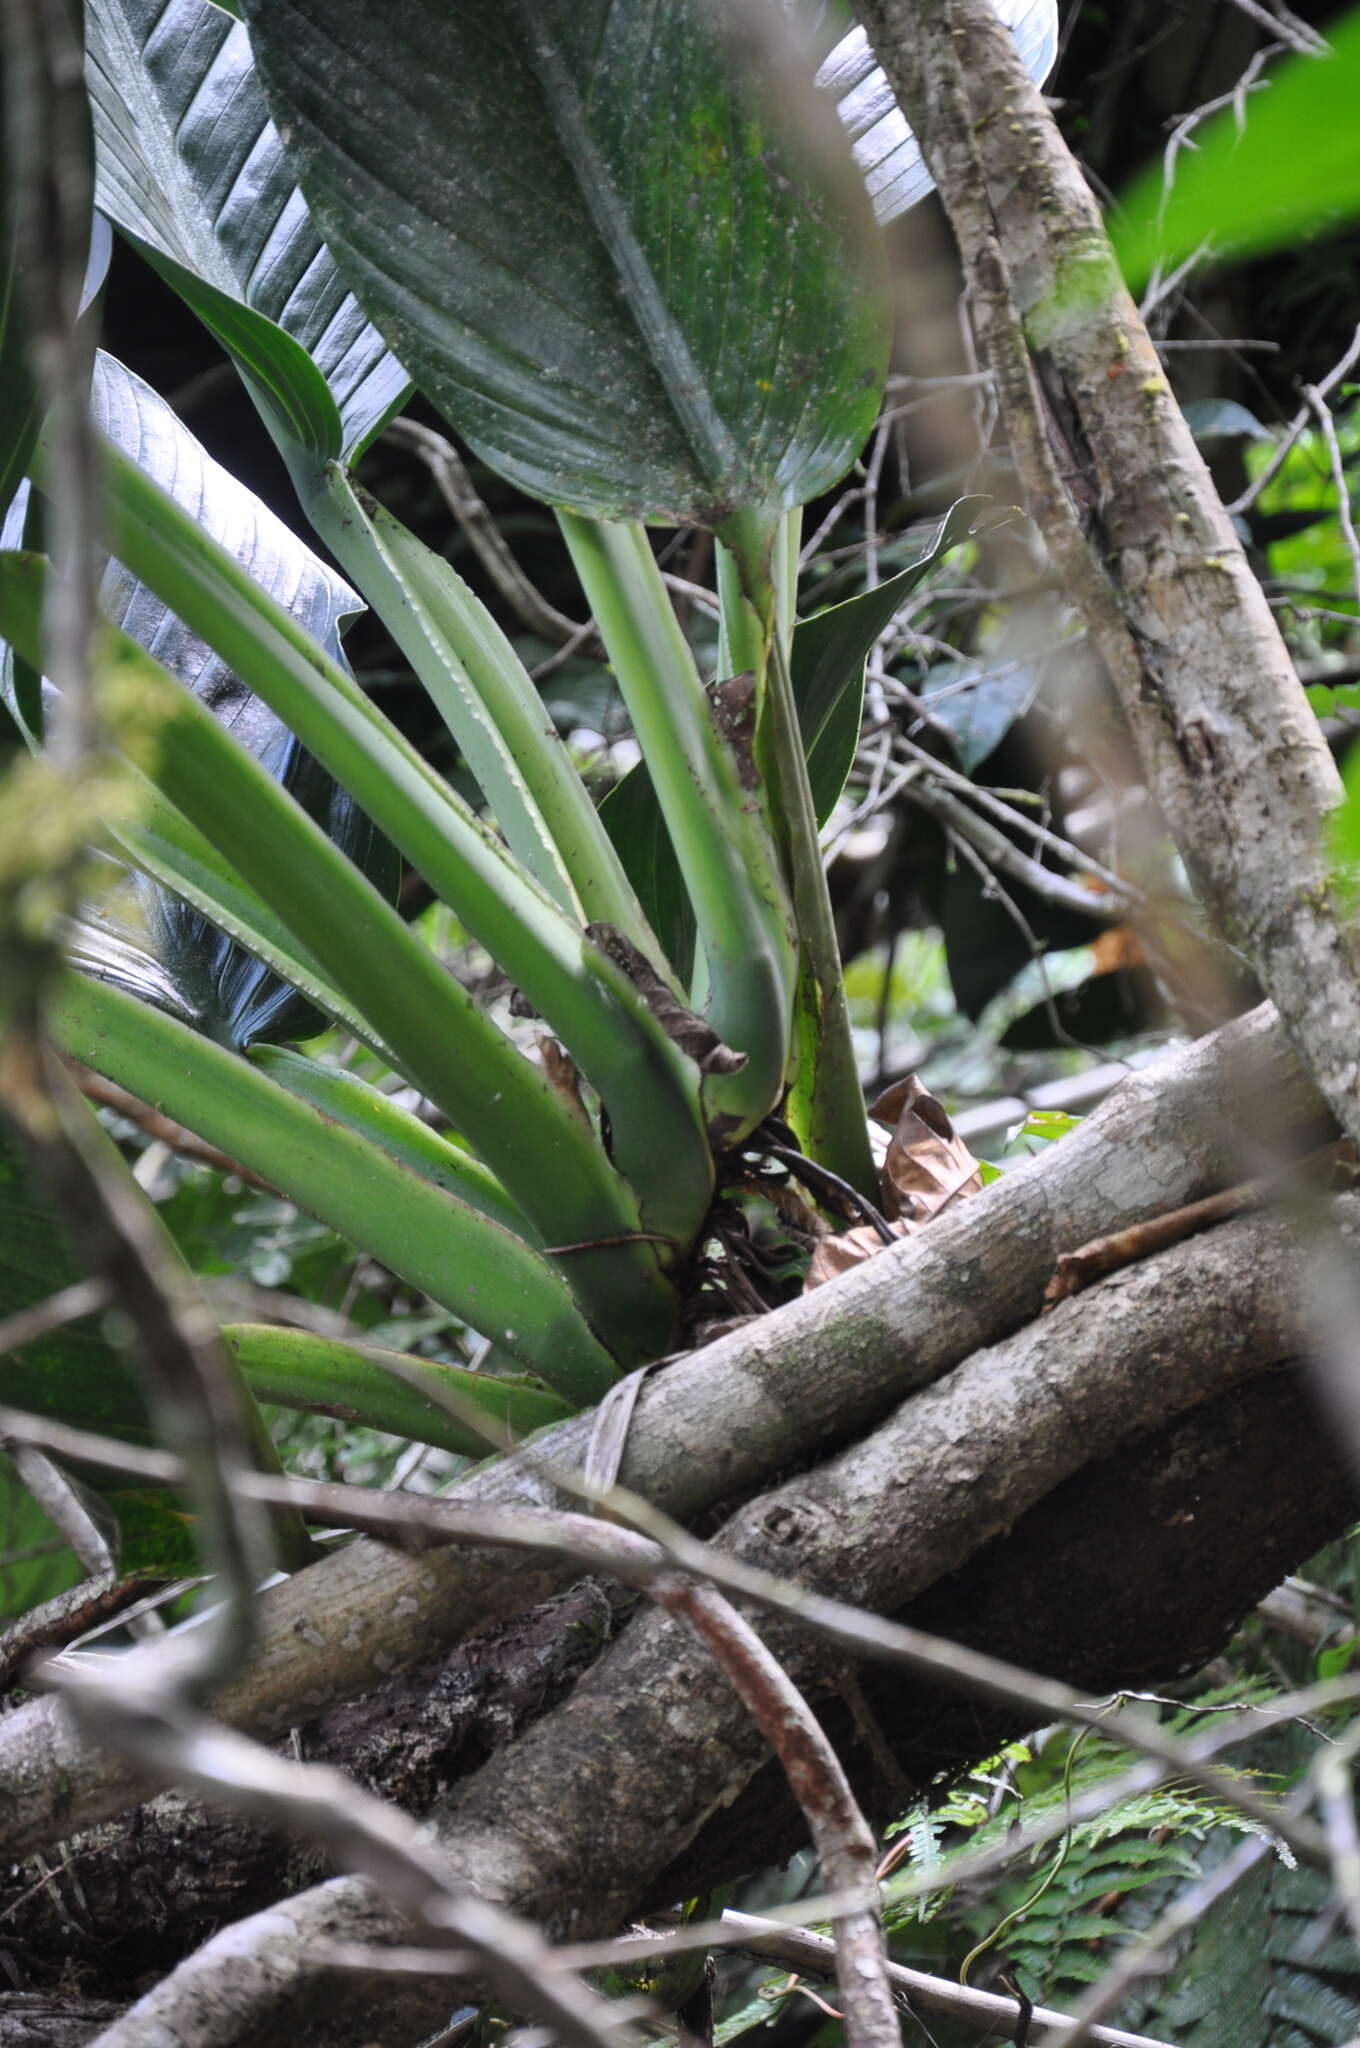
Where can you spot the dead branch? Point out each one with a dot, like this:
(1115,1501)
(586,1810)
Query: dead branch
(706,1429)
(572,1822)
(1133,1569)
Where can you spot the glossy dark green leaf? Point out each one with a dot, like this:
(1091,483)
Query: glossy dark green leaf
(827,665)
(189,167)
(632,817)
(586,245)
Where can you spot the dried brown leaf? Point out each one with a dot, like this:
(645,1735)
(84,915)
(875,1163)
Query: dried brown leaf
(563,1076)
(836,1255)
(927,1167)
(928,1164)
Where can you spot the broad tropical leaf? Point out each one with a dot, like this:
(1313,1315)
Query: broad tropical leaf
(886,150)
(189,167)
(586,245)
(831,648)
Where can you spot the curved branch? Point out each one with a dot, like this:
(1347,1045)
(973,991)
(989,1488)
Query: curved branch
(571,1824)
(716,1425)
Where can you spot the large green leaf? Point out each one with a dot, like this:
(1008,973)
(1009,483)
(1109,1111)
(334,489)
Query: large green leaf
(1289,168)
(586,245)
(189,167)
(831,648)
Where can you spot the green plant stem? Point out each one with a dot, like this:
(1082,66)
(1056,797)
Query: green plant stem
(437,1243)
(826,1103)
(706,797)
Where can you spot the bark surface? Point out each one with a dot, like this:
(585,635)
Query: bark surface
(714,1426)
(1229,745)
(575,1823)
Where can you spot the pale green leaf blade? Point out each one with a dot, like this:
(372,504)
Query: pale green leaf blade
(830,650)
(1291,170)
(372,1388)
(437,1243)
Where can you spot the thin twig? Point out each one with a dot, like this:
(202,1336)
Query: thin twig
(1283,22)
(27,1325)
(981,2012)
(1296,427)
(1003,855)
(816,1777)
(1090,1262)
(1114,885)
(1336,1805)
(51,181)
(1345,516)
(123,1242)
(62,1505)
